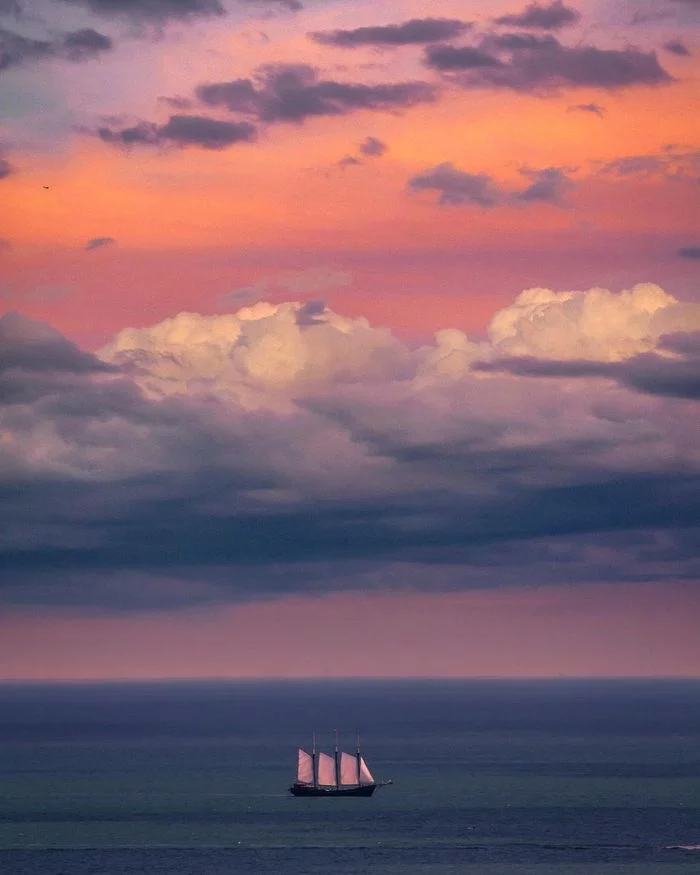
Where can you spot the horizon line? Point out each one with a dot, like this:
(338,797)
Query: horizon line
(338,678)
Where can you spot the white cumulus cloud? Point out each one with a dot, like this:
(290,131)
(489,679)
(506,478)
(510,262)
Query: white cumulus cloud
(597,324)
(262,349)
(287,436)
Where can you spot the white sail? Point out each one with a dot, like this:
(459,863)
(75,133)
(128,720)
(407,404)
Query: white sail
(326,770)
(365,774)
(348,768)
(305,768)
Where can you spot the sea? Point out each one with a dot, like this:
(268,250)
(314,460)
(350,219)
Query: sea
(490,777)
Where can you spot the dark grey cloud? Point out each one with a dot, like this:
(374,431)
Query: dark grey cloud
(651,373)
(16,49)
(512,42)
(123,500)
(551,16)
(672,163)
(548,185)
(5,168)
(594,108)
(294,93)
(652,11)
(676,47)
(192,130)
(414,32)
(179,103)
(27,345)
(689,252)
(76,46)
(292,5)
(85,44)
(448,58)
(349,161)
(633,165)
(525,62)
(458,187)
(11,8)
(157,11)
(99,243)
(311,313)
(181,131)
(372,147)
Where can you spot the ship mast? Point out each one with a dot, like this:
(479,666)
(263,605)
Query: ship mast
(358,755)
(314,767)
(337,761)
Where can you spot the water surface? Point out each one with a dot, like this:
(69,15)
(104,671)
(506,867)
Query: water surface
(489,777)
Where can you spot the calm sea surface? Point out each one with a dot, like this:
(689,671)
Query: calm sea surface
(493,777)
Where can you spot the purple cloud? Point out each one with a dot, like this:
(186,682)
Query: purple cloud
(99,243)
(448,58)
(181,131)
(11,7)
(413,32)
(159,11)
(648,373)
(85,44)
(459,188)
(676,47)
(185,483)
(75,46)
(552,16)
(594,108)
(294,93)
(456,187)
(349,161)
(372,147)
(548,185)
(103,479)
(524,62)
(28,345)
(672,164)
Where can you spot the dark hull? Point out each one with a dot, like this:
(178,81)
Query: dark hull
(308,790)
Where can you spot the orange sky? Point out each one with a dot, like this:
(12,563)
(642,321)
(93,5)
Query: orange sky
(252,208)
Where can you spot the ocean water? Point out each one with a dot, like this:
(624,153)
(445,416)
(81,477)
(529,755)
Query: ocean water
(493,777)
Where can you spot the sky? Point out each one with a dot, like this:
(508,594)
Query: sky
(349,339)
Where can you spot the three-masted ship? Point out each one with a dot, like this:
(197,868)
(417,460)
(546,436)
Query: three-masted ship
(342,774)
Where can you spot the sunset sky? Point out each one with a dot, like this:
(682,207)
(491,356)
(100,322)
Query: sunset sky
(349,338)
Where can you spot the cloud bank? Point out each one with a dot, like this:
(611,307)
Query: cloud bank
(294,93)
(459,187)
(159,11)
(286,448)
(181,131)
(541,63)
(552,16)
(76,46)
(413,32)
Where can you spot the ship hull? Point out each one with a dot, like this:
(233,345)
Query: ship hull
(308,790)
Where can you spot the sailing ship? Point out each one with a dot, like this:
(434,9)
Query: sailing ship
(343,774)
